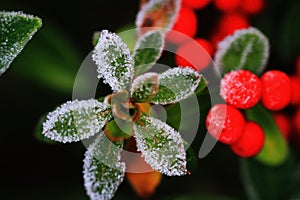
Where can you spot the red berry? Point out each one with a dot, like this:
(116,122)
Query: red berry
(295,86)
(227,5)
(186,23)
(229,23)
(241,89)
(225,123)
(276,90)
(195,54)
(251,141)
(252,7)
(196,4)
(283,123)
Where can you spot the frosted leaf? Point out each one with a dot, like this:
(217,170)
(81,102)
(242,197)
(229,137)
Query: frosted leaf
(76,120)
(157,13)
(115,64)
(161,146)
(102,170)
(16,29)
(245,49)
(176,84)
(144,87)
(147,51)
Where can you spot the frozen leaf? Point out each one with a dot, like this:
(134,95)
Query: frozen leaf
(161,146)
(157,13)
(16,29)
(115,64)
(176,84)
(118,128)
(76,120)
(144,87)
(102,171)
(147,51)
(245,49)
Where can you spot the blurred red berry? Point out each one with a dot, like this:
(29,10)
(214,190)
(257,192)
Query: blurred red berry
(225,123)
(295,86)
(232,22)
(276,90)
(195,54)
(196,4)
(283,123)
(186,23)
(251,141)
(227,5)
(241,89)
(252,7)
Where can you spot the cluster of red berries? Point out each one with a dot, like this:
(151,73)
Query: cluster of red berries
(241,89)
(235,16)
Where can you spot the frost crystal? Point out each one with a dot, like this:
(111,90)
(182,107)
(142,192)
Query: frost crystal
(144,87)
(76,120)
(245,49)
(102,171)
(176,84)
(115,64)
(161,146)
(16,29)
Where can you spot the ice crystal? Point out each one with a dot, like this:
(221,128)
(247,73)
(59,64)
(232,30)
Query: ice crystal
(176,84)
(76,120)
(161,146)
(144,87)
(114,62)
(16,29)
(245,49)
(102,171)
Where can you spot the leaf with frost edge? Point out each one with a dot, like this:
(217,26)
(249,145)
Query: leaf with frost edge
(140,92)
(94,123)
(6,60)
(109,67)
(143,48)
(149,6)
(169,159)
(180,90)
(226,43)
(98,157)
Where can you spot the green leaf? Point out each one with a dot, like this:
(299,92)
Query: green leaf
(147,51)
(144,87)
(159,14)
(119,128)
(161,146)
(128,35)
(16,29)
(39,129)
(76,120)
(115,64)
(245,49)
(176,84)
(103,172)
(275,150)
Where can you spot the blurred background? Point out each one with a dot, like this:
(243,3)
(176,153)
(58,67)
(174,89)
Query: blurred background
(42,77)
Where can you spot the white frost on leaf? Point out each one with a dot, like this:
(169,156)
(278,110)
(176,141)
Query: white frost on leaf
(230,42)
(161,146)
(102,170)
(145,86)
(176,84)
(76,120)
(114,62)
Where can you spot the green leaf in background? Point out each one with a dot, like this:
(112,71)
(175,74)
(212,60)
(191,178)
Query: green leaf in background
(128,35)
(176,84)
(275,150)
(103,171)
(147,51)
(144,87)
(114,62)
(265,182)
(245,49)
(161,146)
(16,29)
(76,120)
